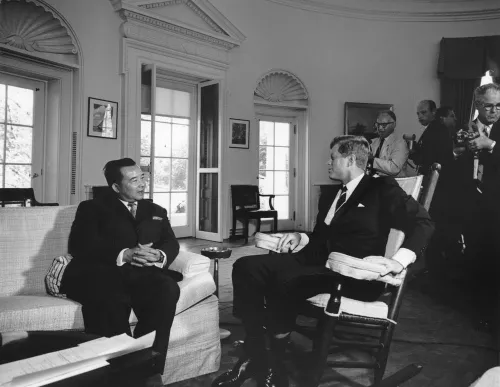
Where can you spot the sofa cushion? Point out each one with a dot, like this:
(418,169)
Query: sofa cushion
(55,274)
(190,264)
(30,239)
(48,313)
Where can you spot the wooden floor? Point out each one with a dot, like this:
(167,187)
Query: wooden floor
(437,328)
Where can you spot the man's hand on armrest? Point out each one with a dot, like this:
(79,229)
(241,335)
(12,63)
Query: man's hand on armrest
(391,266)
(288,242)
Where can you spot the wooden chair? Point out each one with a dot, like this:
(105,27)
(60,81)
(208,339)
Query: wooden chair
(20,197)
(326,307)
(246,205)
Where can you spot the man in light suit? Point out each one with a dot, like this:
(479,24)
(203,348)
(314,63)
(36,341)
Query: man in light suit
(122,246)
(389,151)
(355,220)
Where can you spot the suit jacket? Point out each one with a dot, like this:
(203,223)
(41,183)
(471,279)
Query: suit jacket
(435,146)
(361,226)
(103,227)
(490,184)
(393,157)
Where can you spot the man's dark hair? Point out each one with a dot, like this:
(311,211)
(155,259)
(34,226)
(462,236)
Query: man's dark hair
(112,170)
(353,145)
(443,111)
(390,113)
(430,104)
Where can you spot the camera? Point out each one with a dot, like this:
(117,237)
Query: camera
(463,136)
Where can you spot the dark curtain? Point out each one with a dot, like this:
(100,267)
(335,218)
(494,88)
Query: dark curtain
(462,63)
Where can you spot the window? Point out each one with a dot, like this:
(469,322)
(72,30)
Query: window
(165,148)
(274,165)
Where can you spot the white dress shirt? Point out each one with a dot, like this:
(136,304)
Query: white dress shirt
(403,256)
(119,259)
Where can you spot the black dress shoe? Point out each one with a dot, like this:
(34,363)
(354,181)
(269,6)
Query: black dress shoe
(274,377)
(243,370)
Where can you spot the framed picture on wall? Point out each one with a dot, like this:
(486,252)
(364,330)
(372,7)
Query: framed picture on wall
(359,118)
(102,118)
(239,131)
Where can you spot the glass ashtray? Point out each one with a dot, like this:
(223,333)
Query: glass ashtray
(216,252)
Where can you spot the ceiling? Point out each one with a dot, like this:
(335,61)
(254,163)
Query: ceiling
(403,10)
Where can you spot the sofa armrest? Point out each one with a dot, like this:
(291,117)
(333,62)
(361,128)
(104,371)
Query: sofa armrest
(190,264)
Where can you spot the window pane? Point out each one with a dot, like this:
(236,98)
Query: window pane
(163,139)
(145,138)
(179,174)
(19,144)
(281,183)
(1,177)
(17,176)
(266,157)
(180,121)
(180,140)
(266,185)
(162,199)
(281,205)
(282,134)
(2,139)
(281,159)
(209,194)
(178,209)
(2,102)
(161,176)
(163,119)
(146,162)
(172,102)
(266,136)
(209,127)
(19,105)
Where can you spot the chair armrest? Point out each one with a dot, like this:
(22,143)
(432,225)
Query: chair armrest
(271,200)
(190,264)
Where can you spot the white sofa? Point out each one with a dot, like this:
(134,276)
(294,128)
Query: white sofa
(31,237)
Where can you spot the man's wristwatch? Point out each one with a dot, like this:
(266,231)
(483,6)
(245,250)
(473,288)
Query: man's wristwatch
(160,258)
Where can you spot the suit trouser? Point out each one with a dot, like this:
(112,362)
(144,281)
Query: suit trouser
(269,289)
(108,293)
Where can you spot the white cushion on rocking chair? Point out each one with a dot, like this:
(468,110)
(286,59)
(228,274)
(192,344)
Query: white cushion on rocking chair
(376,309)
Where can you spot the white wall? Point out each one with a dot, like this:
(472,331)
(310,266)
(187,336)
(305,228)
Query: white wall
(97,28)
(338,59)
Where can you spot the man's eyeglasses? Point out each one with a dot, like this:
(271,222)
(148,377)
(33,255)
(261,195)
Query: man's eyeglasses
(490,106)
(383,124)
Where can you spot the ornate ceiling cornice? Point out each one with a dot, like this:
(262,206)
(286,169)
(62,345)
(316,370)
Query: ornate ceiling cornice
(403,10)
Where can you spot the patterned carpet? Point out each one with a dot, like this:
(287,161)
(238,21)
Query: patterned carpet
(434,330)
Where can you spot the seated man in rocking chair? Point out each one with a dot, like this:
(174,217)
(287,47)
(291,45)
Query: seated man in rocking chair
(355,220)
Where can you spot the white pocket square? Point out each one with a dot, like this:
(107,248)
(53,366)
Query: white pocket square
(157,218)
(360,205)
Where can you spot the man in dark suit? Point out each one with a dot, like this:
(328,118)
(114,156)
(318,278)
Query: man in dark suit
(355,220)
(122,246)
(483,237)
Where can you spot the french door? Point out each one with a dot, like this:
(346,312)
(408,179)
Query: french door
(277,169)
(22,118)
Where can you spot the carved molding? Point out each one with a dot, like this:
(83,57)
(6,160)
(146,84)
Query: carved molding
(403,10)
(281,86)
(35,27)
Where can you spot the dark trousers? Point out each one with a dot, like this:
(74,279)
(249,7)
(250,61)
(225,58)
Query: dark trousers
(282,282)
(108,293)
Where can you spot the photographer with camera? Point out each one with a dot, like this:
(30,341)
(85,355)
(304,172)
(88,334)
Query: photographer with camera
(482,237)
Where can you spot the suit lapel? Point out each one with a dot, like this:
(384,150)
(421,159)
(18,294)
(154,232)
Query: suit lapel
(354,198)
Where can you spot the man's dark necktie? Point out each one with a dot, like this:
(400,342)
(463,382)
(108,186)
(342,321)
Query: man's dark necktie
(133,208)
(342,197)
(377,153)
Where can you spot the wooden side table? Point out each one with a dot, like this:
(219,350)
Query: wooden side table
(216,253)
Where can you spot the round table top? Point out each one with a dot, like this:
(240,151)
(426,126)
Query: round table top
(216,252)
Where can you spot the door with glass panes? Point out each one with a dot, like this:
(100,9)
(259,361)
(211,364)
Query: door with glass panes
(277,168)
(167,144)
(22,109)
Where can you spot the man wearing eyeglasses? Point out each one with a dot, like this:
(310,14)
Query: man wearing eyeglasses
(483,231)
(389,151)
(122,246)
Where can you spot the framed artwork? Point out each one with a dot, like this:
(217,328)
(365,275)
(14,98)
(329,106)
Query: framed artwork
(102,118)
(359,118)
(239,131)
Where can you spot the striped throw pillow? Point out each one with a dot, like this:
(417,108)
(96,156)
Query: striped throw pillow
(55,274)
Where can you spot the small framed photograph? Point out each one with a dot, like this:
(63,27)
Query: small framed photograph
(359,118)
(240,133)
(102,118)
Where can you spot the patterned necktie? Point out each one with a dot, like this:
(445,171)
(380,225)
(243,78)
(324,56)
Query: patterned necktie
(342,197)
(377,153)
(133,208)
